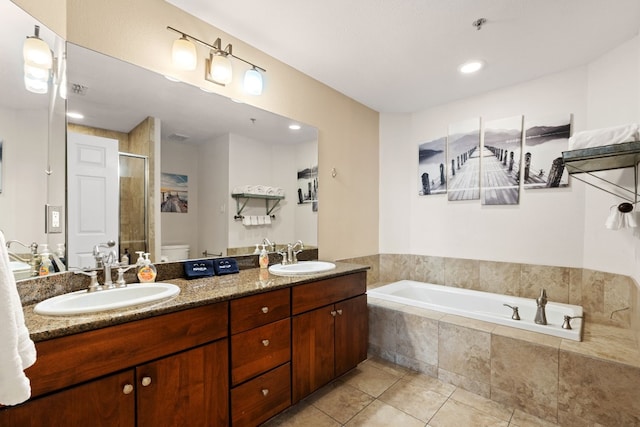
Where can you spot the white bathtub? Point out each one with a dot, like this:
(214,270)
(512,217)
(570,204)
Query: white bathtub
(483,306)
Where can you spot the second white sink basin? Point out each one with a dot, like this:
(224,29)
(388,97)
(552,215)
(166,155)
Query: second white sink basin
(301,268)
(83,302)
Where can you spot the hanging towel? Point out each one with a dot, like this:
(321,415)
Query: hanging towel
(17,351)
(604,136)
(267,219)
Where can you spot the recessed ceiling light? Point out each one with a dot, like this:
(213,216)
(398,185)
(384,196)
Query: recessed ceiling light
(73,115)
(294,127)
(471,67)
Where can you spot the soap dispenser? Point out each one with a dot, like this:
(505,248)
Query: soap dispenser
(140,260)
(263,259)
(45,261)
(147,273)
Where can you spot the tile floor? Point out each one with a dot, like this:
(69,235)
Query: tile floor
(379,393)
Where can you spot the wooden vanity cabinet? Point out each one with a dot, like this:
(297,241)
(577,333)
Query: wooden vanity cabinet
(329,329)
(163,371)
(260,356)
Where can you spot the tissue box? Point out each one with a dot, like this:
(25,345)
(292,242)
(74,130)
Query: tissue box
(225,266)
(199,268)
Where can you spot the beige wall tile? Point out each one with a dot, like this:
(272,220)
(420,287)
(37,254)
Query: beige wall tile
(498,410)
(382,329)
(373,261)
(478,387)
(500,277)
(428,269)
(575,286)
(554,279)
(606,298)
(599,391)
(462,273)
(464,352)
(525,375)
(417,337)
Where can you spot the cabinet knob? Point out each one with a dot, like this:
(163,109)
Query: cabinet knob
(340,312)
(265,343)
(333,313)
(265,391)
(265,310)
(127,389)
(146,381)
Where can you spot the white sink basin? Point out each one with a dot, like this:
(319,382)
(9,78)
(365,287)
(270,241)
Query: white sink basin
(20,270)
(83,302)
(301,268)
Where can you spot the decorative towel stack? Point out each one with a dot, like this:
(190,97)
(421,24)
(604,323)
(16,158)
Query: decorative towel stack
(259,190)
(17,351)
(605,136)
(256,220)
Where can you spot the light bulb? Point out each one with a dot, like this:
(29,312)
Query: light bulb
(36,85)
(253,82)
(221,71)
(183,54)
(35,51)
(471,67)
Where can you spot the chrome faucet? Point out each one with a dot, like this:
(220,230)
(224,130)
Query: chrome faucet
(290,255)
(106,261)
(33,249)
(267,242)
(541,316)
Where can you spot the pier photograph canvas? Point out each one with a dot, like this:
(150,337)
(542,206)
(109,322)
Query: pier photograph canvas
(545,140)
(432,175)
(501,161)
(174,192)
(463,160)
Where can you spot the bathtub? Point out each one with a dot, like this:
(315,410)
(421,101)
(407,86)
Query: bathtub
(484,306)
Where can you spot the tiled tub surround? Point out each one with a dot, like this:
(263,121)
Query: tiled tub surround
(486,306)
(590,383)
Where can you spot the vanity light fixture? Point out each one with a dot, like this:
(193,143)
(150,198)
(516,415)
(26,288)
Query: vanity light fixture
(38,62)
(183,54)
(218,67)
(253,82)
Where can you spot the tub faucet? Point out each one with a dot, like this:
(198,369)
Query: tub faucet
(541,316)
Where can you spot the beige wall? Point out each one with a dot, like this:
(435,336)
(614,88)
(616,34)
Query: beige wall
(348,131)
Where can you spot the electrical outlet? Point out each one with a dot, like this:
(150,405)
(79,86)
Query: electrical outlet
(53,219)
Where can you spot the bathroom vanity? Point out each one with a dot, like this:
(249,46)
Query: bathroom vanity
(231,350)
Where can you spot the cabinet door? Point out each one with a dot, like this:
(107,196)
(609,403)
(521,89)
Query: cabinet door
(108,402)
(313,351)
(352,333)
(187,389)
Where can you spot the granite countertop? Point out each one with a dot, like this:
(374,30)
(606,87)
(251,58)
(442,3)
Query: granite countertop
(193,293)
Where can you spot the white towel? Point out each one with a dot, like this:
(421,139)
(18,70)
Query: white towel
(17,351)
(604,136)
(246,220)
(254,220)
(267,219)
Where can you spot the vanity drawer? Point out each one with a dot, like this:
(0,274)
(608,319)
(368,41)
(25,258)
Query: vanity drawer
(324,292)
(257,310)
(260,349)
(261,398)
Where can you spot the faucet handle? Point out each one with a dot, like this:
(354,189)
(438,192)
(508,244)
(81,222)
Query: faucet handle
(120,282)
(567,321)
(93,285)
(515,315)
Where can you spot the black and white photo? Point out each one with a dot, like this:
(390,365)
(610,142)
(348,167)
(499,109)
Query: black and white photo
(501,160)
(545,140)
(432,175)
(463,160)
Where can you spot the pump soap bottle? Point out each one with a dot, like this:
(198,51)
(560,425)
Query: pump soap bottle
(147,272)
(263,259)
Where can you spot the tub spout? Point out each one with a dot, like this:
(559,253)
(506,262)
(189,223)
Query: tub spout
(541,316)
(514,315)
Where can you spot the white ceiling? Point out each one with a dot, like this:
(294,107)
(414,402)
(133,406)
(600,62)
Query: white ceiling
(402,55)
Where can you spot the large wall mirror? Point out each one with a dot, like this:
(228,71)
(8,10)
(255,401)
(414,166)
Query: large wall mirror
(32,138)
(152,164)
